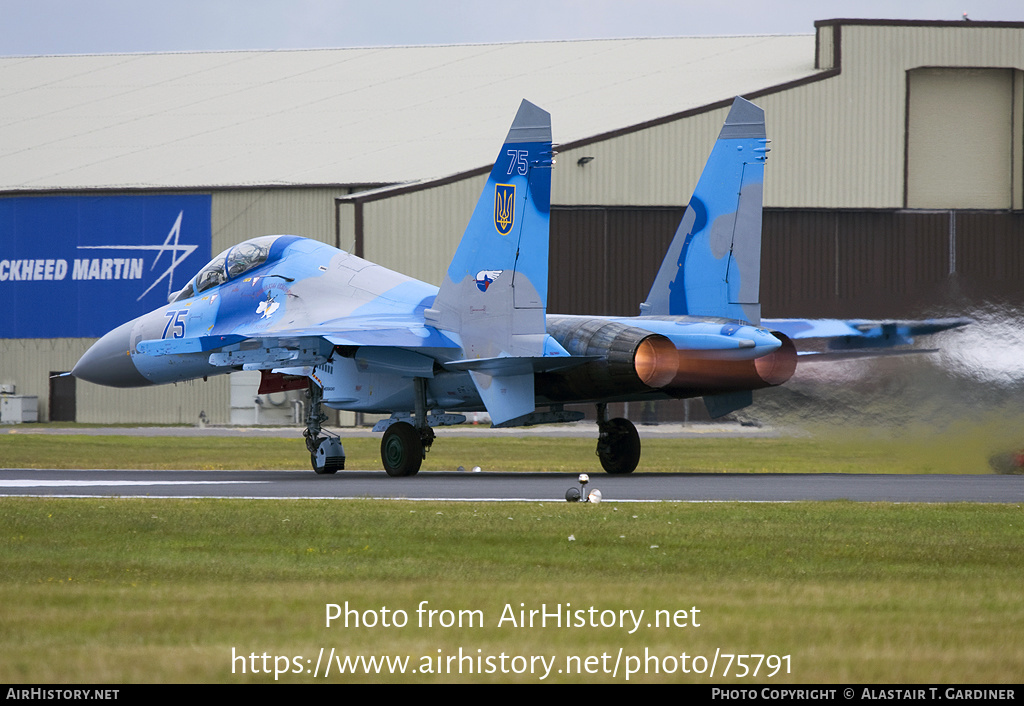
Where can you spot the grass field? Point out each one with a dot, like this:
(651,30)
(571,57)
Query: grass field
(965,449)
(98,591)
(137,590)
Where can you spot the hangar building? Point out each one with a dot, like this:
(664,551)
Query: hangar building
(894,187)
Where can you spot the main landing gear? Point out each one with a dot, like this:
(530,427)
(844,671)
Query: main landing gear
(403,448)
(408,438)
(618,445)
(404,445)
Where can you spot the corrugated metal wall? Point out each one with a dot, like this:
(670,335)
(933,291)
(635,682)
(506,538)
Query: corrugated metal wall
(27,363)
(838,142)
(849,264)
(656,166)
(891,263)
(604,260)
(414,231)
(841,142)
(241,214)
(960,152)
(989,255)
(878,264)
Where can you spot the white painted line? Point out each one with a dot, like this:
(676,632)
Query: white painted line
(19,483)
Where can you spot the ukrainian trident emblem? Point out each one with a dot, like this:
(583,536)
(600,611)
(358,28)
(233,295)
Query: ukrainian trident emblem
(504,207)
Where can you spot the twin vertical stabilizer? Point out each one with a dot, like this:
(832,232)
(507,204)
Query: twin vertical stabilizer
(713,266)
(494,295)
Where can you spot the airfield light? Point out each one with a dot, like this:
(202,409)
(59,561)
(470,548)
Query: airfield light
(577,495)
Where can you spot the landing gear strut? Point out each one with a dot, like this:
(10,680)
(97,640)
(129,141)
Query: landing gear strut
(618,445)
(404,446)
(326,454)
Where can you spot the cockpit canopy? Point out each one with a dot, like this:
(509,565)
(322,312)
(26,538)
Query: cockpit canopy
(232,263)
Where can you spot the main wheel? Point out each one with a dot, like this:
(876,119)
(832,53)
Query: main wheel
(401,450)
(618,447)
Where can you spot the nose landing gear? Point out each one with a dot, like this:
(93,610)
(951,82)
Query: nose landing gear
(326,454)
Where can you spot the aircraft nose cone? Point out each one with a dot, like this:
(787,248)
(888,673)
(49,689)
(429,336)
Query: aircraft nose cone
(107,362)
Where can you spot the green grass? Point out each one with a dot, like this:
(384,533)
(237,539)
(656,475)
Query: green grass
(116,590)
(966,451)
(139,590)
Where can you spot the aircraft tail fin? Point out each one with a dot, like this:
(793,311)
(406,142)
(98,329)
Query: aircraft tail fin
(494,294)
(713,266)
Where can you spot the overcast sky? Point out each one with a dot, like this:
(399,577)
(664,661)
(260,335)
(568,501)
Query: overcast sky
(31,27)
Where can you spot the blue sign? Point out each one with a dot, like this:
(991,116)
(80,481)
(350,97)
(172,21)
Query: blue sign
(79,266)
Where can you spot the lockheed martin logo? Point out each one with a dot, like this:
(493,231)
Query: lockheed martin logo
(98,267)
(65,254)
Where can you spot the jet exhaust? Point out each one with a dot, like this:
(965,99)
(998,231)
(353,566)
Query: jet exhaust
(632,360)
(635,361)
(704,370)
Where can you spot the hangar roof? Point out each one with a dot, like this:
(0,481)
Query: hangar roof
(347,116)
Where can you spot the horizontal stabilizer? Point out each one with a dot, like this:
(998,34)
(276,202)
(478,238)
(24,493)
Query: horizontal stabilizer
(832,356)
(858,334)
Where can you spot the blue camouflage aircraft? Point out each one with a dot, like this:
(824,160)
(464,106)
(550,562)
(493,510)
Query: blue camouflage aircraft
(365,338)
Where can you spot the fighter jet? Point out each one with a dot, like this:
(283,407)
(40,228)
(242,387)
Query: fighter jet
(364,338)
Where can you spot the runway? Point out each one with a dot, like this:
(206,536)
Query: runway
(532,487)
